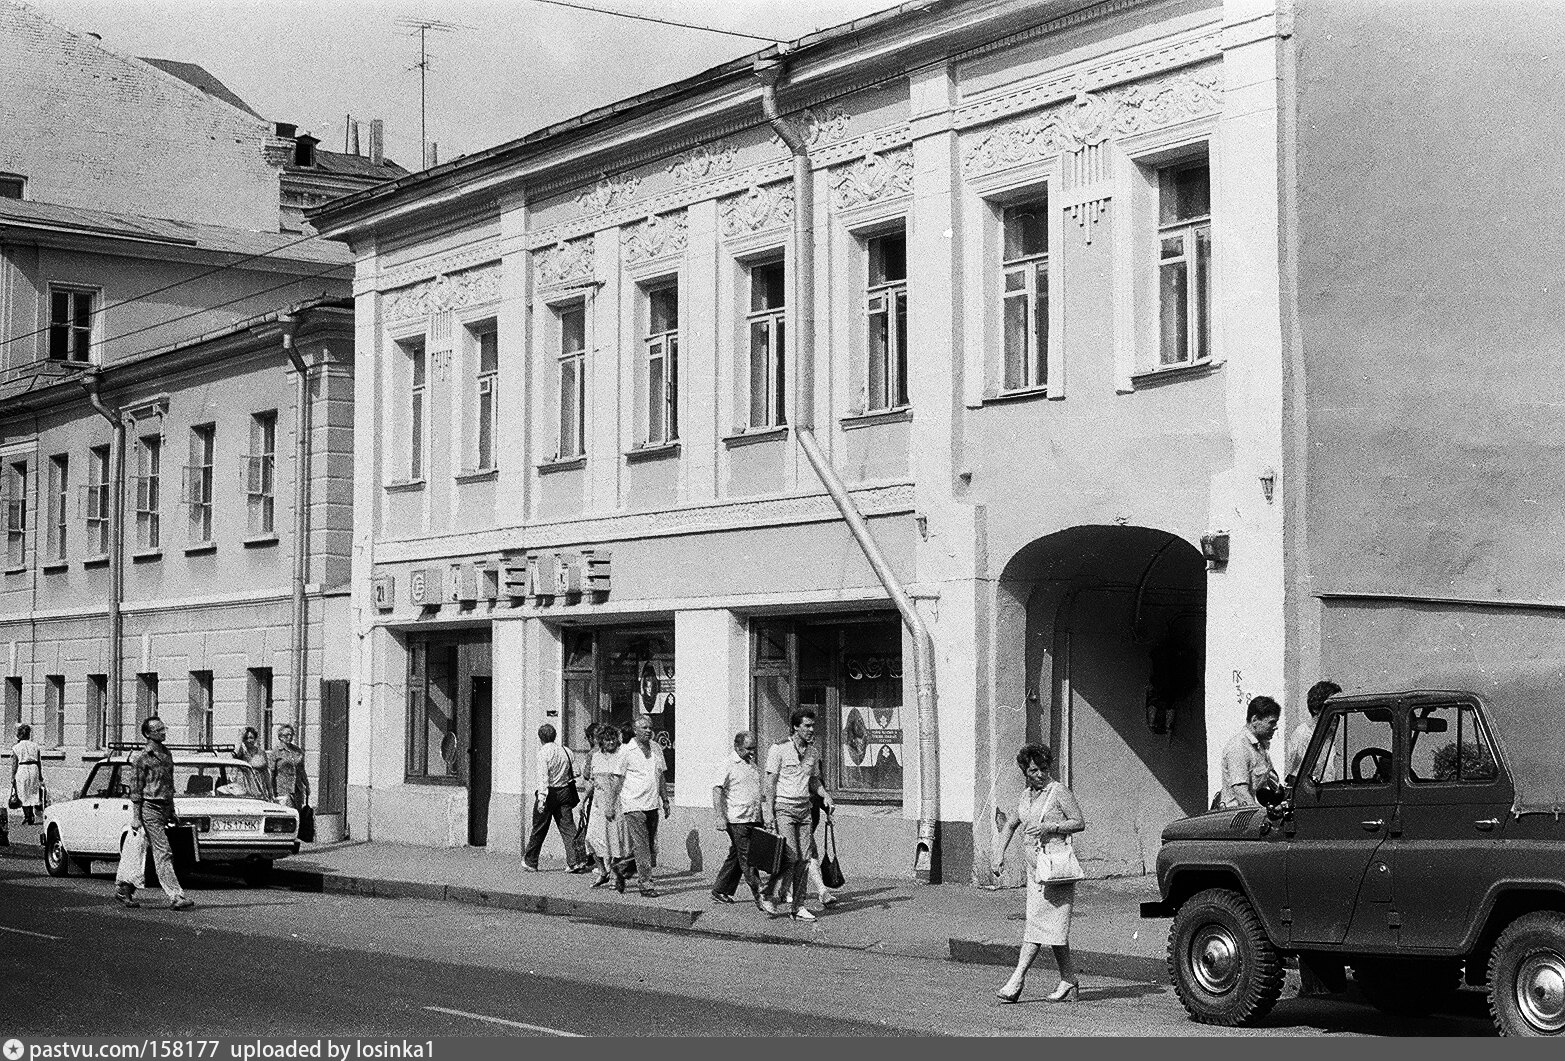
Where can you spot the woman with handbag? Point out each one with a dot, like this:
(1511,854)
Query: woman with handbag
(608,772)
(1048,816)
(27,774)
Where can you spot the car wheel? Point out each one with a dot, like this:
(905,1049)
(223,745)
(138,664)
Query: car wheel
(1527,976)
(256,874)
(1224,969)
(1407,988)
(55,858)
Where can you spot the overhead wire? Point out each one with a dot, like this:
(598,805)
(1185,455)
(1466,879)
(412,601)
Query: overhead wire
(650,18)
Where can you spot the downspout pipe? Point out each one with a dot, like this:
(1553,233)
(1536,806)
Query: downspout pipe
(769,71)
(298,629)
(89,382)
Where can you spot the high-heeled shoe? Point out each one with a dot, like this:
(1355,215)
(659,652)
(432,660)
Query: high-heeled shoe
(1063,992)
(1008,998)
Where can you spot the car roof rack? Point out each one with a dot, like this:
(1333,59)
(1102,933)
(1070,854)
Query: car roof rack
(136,746)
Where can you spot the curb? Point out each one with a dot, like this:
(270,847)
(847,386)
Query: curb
(1099,963)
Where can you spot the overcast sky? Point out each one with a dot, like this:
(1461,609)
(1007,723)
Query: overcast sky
(522,65)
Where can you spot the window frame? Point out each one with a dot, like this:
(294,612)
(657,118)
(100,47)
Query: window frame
(147,705)
(486,384)
(99,724)
(570,405)
(97,493)
(74,332)
(16,513)
(1197,311)
(53,711)
(202,714)
(887,299)
(58,516)
(1033,371)
(149,470)
(1485,737)
(200,477)
(261,474)
(658,415)
(260,702)
(775,319)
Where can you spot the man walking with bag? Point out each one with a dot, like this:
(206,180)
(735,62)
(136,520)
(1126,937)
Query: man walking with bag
(793,775)
(640,797)
(151,813)
(555,801)
(737,799)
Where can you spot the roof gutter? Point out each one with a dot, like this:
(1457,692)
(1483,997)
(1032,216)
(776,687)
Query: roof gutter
(801,296)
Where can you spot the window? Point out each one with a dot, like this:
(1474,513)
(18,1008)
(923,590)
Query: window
(98,500)
(54,711)
(1026,294)
(662,365)
(1184,263)
(418,376)
(573,379)
(13,705)
(13,186)
(767,326)
(261,482)
(100,729)
(70,324)
(200,722)
(198,482)
(99,785)
(432,710)
(1357,750)
(149,458)
(488,343)
(59,490)
(258,703)
(16,514)
(886,308)
(146,698)
(1448,745)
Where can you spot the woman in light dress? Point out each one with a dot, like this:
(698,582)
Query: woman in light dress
(1047,810)
(27,773)
(607,774)
(285,770)
(249,750)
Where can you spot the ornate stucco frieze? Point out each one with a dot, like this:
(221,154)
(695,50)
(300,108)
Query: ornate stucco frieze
(609,192)
(762,207)
(876,176)
(564,262)
(474,287)
(656,236)
(704,162)
(829,126)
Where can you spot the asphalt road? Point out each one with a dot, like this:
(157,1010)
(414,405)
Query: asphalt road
(274,963)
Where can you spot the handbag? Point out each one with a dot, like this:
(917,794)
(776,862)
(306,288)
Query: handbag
(1056,862)
(307,824)
(15,802)
(569,797)
(831,869)
(766,851)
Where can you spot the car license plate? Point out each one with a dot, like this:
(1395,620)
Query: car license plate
(235,825)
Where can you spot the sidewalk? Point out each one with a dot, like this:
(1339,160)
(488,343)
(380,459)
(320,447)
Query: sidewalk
(943,922)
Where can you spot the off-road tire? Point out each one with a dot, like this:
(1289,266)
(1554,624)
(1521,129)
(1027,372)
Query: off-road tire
(56,860)
(1407,987)
(1527,976)
(1224,969)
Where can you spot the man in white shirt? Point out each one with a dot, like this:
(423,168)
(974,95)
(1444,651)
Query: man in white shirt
(1299,739)
(737,799)
(793,775)
(554,800)
(1247,761)
(640,797)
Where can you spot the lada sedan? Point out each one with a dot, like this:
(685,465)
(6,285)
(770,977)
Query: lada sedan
(223,802)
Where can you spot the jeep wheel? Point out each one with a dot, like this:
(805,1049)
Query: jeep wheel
(1407,988)
(1224,969)
(55,859)
(1527,976)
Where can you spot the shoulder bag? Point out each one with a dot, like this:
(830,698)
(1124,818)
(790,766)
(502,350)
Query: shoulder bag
(569,797)
(831,869)
(1057,862)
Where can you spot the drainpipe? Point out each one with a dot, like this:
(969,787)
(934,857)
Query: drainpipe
(89,382)
(301,520)
(769,72)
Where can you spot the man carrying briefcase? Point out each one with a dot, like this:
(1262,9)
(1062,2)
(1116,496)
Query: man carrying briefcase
(736,797)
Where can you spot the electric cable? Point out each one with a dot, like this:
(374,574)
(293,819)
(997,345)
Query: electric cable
(650,18)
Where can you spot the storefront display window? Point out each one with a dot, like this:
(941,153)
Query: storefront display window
(613,674)
(448,679)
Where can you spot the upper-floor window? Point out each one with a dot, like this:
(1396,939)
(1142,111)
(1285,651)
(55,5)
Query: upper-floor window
(13,186)
(16,514)
(198,482)
(262,473)
(149,459)
(662,364)
(886,309)
(572,320)
(417,377)
(767,328)
(1025,264)
(487,341)
(70,324)
(98,500)
(59,488)
(1184,263)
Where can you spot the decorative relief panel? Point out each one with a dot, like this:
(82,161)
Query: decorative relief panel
(829,126)
(704,162)
(875,176)
(657,236)
(443,293)
(564,262)
(762,207)
(608,192)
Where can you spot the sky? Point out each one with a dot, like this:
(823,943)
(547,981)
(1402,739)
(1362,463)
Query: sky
(513,65)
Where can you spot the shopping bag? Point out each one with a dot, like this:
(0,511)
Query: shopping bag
(831,869)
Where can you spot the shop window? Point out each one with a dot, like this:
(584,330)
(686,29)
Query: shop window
(448,679)
(614,674)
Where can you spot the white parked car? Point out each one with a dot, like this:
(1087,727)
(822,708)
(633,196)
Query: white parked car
(223,800)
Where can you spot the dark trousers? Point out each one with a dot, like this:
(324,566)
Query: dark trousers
(642,828)
(738,862)
(562,816)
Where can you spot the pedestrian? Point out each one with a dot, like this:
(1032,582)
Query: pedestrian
(285,771)
(151,813)
(1047,810)
(1247,760)
(27,774)
(643,792)
(793,776)
(737,800)
(817,880)
(555,800)
(249,750)
(584,786)
(1299,740)
(603,824)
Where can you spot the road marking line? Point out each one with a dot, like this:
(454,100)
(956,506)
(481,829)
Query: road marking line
(24,932)
(502,1020)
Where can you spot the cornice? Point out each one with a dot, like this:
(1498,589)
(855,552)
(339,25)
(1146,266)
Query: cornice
(489,250)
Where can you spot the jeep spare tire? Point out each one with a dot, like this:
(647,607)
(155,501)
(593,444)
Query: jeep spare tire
(1224,969)
(1527,976)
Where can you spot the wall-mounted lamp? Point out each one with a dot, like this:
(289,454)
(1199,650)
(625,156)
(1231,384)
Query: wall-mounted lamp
(1214,549)
(922,522)
(1268,484)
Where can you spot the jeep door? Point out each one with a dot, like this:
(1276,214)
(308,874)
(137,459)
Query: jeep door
(1343,807)
(1456,799)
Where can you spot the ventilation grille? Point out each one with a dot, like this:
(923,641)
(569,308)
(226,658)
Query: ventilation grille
(1242,820)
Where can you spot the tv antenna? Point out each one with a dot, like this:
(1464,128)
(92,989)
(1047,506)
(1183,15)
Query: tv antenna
(424,27)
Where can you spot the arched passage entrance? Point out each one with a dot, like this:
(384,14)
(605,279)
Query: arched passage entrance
(1111,669)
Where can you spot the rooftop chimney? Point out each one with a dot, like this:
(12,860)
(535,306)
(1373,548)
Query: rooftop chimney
(377,142)
(434,156)
(353,148)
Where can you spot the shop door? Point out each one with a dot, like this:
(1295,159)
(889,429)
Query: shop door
(480,761)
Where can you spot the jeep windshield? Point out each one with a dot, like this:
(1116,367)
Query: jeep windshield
(232,780)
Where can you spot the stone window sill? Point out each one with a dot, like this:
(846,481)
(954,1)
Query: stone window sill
(478,475)
(55,568)
(854,421)
(101,560)
(1158,376)
(756,437)
(1027,394)
(402,486)
(204,549)
(260,541)
(652,453)
(18,570)
(562,464)
(146,556)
